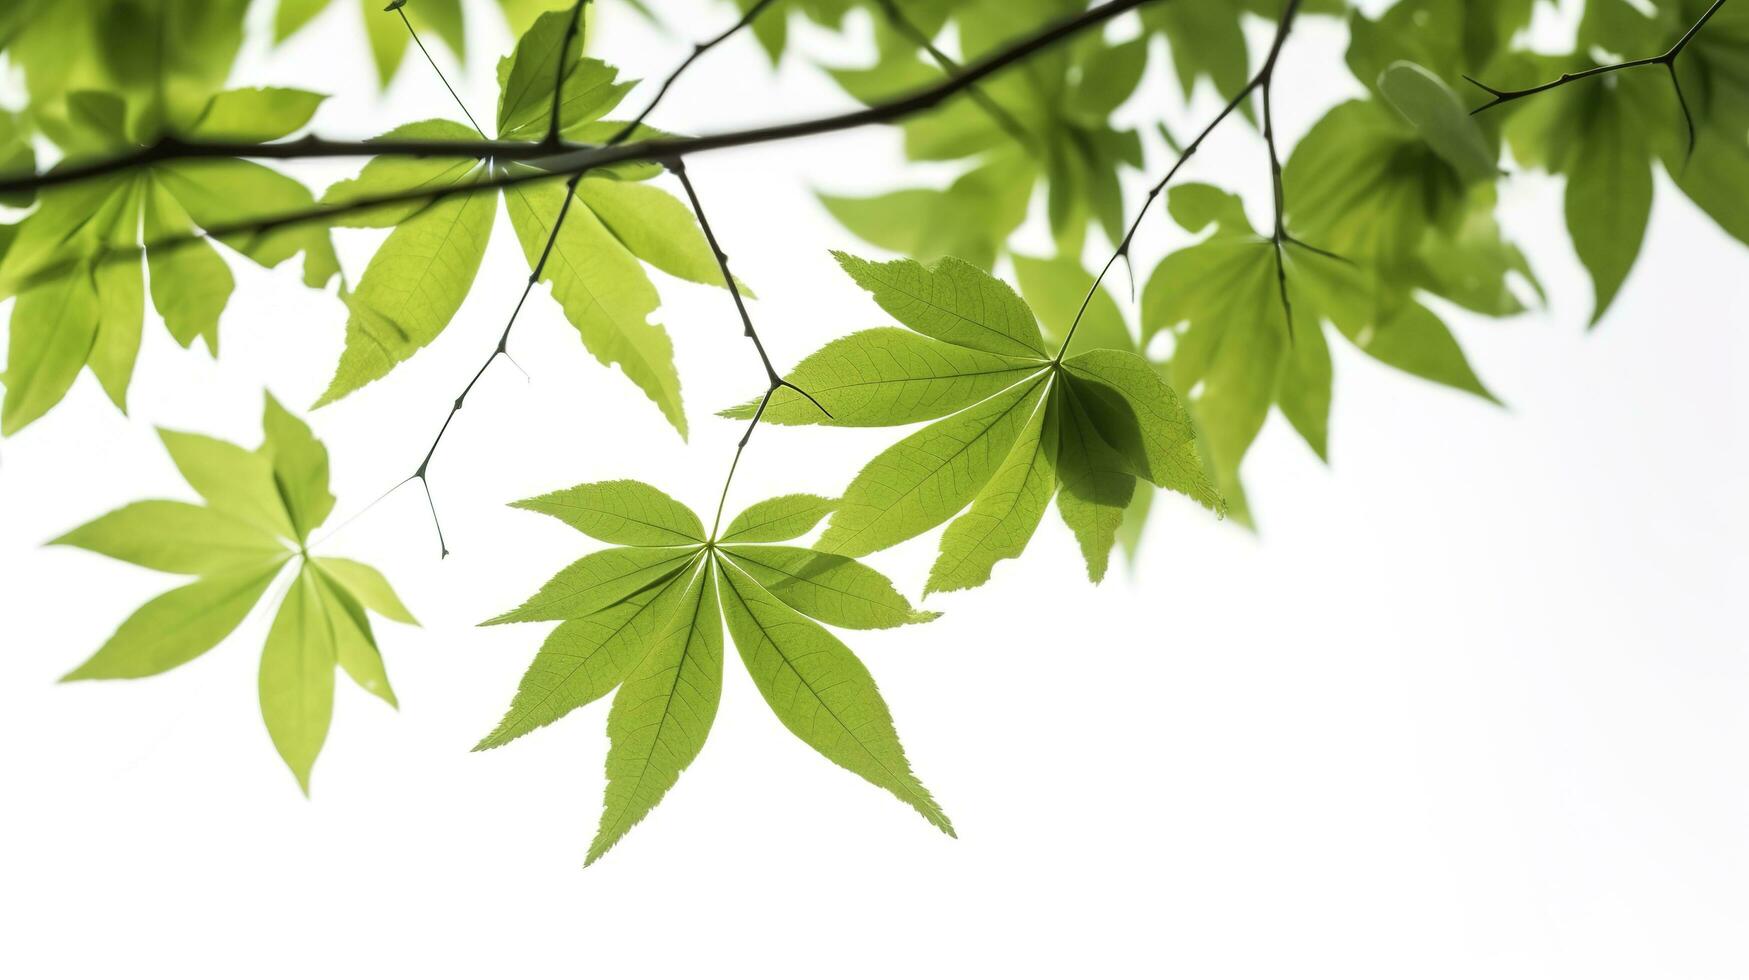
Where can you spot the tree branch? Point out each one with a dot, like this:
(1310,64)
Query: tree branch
(1002,117)
(569,158)
(1667,59)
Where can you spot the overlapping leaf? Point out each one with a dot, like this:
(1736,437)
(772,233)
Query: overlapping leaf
(615,226)
(259,508)
(1015,423)
(1236,354)
(646,618)
(75,263)
(1047,120)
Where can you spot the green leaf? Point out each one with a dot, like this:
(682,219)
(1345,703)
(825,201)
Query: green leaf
(653,225)
(1142,417)
(603,290)
(300,468)
(968,218)
(925,478)
(412,288)
(256,114)
(596,581)
(368,586)
(526,79)
(820,691)
(355,645)
(218,192)
(190,283)
(887,376)
(387,37)
(1098,484)
(232,480)
(179,625)
(1005,512)
(297,677)
(386,175)
(624,512)
(663,712)
(121,297)
(1434,110)
(1594,137)
(589,655)
(833,589)
(292,15)
(951,301)
(53,327)
(779,519)
(172,536)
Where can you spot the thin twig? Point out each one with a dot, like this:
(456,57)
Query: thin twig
(698,51)
(1278,237)
(774,381)
(1667,59)
(1123,249)
(398,8)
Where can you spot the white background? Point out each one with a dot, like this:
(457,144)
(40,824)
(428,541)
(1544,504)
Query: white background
(1473,704)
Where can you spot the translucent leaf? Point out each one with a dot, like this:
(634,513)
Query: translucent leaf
(820,691)
(624,512)
(53,327)
(927,477)
(603,290)
(412,288)
(951,301)
(779,519)
(179,625)
(172,536)
(833,589)
(231,479)
(663,711)
(596,581)
(297,677)
(1006,511)
(589,655)
(368,586)
(888,376)
(256,114)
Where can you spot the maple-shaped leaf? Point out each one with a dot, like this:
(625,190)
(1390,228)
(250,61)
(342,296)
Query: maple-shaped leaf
(78,307)
(259,508)
(1014,423)
(646,618)
(614,227)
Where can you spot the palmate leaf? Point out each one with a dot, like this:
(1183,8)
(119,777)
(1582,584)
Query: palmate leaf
(78,308)
(646,618)
(1014,423)
(419,276)
(259,509)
